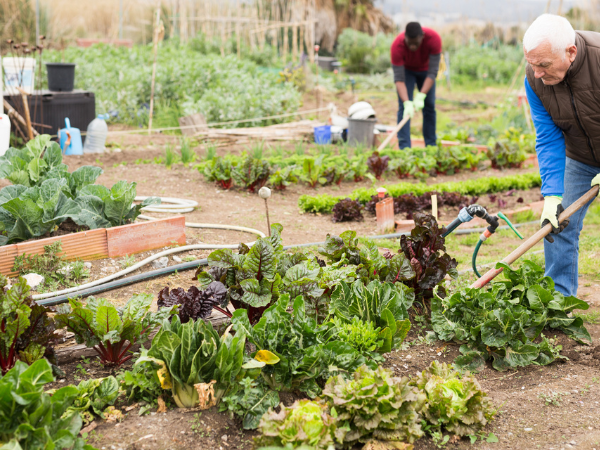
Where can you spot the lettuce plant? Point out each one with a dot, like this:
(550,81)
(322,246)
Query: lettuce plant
(381,304)
(362,336)
(426,251)
(347,210)
(374,404)
(304,423)
(454,404)
(111,331)
(30,418)
(26,329)
(503,323)
(195,303)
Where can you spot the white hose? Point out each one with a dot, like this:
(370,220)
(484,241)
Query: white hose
(189,206)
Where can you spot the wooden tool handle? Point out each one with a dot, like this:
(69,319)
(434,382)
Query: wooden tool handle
(391,135)
(538,236)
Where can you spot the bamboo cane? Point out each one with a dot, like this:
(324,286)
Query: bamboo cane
(155,38)
(26,111)
(18,117)
(538,236)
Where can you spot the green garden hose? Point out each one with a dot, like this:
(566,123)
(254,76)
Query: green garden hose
(474,258)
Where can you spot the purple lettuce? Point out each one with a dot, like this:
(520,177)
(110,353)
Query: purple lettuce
(195,303)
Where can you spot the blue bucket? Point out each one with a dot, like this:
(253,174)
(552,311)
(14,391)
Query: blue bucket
(323,134)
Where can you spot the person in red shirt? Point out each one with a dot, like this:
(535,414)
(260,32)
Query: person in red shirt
(416,60)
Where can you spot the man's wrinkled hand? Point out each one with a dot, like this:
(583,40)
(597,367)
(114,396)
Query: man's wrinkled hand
(419,101)
(409,109)
(552,209)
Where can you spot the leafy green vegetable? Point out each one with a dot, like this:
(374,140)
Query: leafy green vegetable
(504,322)
(308,352)
(362,336)
(194,353)
(26,329)
(219,170)
(30,418)
(141,383)
(374,405)
(304,423)
(94,396)
(381,304)
(251,173)
(455,404)
(111,331)
(250,401)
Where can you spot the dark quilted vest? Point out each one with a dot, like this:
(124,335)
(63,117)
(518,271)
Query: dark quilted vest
(574,103)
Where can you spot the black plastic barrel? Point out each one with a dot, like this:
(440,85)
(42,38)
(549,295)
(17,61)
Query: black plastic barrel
(61,76)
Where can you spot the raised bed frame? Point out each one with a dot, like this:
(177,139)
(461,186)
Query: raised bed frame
(102,242)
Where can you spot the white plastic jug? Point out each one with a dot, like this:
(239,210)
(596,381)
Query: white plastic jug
(4,133)
(95,139)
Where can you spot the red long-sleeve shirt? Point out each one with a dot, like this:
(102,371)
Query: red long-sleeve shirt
(417,61)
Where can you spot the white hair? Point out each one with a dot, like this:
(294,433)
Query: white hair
(555,30)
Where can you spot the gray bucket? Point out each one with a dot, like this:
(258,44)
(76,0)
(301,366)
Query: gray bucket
(360,132)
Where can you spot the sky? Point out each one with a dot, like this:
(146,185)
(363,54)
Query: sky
(486,10)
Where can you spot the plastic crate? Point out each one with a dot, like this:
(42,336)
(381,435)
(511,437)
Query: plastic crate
(50,108)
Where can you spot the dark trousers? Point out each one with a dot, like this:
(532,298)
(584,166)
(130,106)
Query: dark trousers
(429,117)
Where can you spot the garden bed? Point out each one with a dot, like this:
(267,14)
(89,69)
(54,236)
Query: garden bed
(102,242)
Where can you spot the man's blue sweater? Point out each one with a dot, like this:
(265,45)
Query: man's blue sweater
(549,146)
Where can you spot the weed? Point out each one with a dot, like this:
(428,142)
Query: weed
(127,261)
(99,163)
(170,157)
(211,151)
(595,379)
(55,270)
(80,372)
(553,398)
(196,426)
(439,439)
(187,154)
(592,317)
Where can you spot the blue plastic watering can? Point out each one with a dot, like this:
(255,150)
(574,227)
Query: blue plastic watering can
(70,139)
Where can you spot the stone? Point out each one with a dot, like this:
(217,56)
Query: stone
(177,259)
(87,265)
(160,263)
(224,438)
(33,280)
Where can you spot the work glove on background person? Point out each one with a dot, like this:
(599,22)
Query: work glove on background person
(552,209)
(409,109)
(419,101)
(596,182)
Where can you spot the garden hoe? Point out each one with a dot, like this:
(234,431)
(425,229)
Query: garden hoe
(467,214)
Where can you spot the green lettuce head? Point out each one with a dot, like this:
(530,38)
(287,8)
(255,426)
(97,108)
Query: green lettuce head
(304,423)
(456,404)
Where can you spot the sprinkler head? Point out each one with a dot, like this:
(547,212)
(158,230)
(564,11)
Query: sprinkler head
(264,193)
(381,192)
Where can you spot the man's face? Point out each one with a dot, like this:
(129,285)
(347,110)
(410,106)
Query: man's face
(413,44)
(549,65)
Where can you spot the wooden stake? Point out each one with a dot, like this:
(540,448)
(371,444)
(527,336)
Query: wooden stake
(26,111)
(295,43)
(158,30)
(15,115)
(391,135)
(238,30)
(434,206)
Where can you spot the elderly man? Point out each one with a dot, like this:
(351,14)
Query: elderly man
(416,59)
(563,90)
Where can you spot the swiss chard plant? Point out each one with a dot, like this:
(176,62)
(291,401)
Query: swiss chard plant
(251,174)
(191,355)
(455,404)
(313,171)
(219,170)
(30,418)
(384,305)
(26,329)
(308,353)
(504,323)
(94,396)
(195,303)
(426,250)
(109,330)
(374,404)
(283,177)
(378,164)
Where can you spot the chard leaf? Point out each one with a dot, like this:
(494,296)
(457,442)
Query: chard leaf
(521,355)
(538,298)
(261,261)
